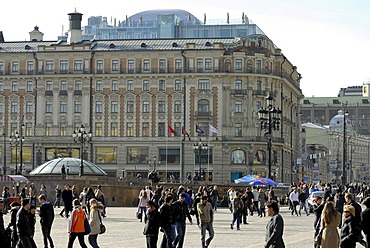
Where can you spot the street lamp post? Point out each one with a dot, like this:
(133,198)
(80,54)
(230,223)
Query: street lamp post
(269,121)
(16,140)
(198,148)
(82,136)
(344,176)
(4,152)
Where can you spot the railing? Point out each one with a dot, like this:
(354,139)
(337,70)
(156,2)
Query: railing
(252,139)
(239,92)
(203,114)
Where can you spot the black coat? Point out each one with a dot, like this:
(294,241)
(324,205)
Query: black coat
(152,221)
(166,215)
(180,211)
(46,214)
(348,233)
(67,199)
(358,211)
(274,232)
(23,223)
(365,221)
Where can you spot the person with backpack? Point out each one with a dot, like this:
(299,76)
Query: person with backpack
(76,225)
(262,199)
(237,206)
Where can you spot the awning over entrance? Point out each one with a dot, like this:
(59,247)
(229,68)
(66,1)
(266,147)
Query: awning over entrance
(13,178)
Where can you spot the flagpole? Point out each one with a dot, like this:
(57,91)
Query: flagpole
(166,156)
(208,154)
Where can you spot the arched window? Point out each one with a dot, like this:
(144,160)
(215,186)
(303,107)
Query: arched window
(249,66)
(238,157)
(203,106)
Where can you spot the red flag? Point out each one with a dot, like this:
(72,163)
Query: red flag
(171,130)
(184,132)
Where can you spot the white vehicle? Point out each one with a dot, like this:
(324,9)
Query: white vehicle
(311,197)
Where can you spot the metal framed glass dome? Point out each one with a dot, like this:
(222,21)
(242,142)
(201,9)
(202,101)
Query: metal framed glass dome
(53,167)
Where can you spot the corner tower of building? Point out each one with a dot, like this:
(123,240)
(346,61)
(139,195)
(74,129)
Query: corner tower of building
(74,32)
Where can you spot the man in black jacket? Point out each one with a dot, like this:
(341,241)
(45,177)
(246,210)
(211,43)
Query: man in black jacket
(151,228)
(365,221)
(46,220)
(4,239)
(180,213)
(166,222)
(24,229)
(67,198)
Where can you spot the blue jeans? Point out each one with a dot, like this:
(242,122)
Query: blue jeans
(204,227)
(180,229)
(93,240)
(143,212)
(151,241)
(214,203)
(237,218)
(167,240)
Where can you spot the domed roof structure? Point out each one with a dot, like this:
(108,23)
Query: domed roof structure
(337,122)
(151,15)
(53,167)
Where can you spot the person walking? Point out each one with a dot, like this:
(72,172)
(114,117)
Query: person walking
(89,195)
(24,230)
(275,227)
(46,220)
(180,213)
(76,225)
(151,228)
(67,199)
(365,221)
(63,172)
(95,220)
(4,240)
(58,196)
(143,202)
(43,191)
(32,192)
(82,199)
(293,197)
(99,195)
(237,207)
(6,195)
(302,197)
(255,206)
(262,199)
(330,219)
(214,197)
(205,212)
(166,221)
(348,233)
(14,207)
(32,219)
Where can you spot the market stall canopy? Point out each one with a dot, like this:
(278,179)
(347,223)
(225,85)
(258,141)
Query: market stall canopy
(13,178)
(255,180)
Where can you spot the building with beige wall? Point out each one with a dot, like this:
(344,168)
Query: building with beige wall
(127,92)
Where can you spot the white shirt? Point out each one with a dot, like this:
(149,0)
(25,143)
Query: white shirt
(293,196)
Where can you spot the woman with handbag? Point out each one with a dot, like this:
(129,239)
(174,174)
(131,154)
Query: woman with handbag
(330,219)
(95,221)
(76,225)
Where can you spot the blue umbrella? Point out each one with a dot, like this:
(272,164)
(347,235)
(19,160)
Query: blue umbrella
(245,180)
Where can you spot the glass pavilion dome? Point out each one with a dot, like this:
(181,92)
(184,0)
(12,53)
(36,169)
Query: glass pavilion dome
(337,122)
(53,167)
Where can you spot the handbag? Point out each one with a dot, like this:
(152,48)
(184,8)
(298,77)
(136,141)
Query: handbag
(87,226)
(103,229)
(138,214)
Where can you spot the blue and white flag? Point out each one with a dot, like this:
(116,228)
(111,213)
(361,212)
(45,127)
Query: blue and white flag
(198,129)
(212,129)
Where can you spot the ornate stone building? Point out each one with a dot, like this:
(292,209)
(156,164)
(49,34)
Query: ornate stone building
(127,92)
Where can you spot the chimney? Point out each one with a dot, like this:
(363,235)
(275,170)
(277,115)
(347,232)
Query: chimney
(36,35)
(75,32)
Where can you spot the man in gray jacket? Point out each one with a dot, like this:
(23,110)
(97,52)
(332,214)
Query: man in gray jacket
(275,227)
(205,212)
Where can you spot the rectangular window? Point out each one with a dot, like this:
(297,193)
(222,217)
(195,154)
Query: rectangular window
(49,65)
(99,66)
(177,128)
(208,64)
(63,85)
(162,85)
(1,86)
(114,107)
(99,107)
(131,66)
(258,66)
(78,85)
(98,129)
(146,65)
(28,129)
(130,107)
(29,86)
(146,85)
(114,85)
(238,129)
(63,129)
(146,107)
(178,65)
(177,106)
(238,64)
(162,65)
(161,106)
(258,105)
(259,85)
(114,129)
(238,106)
(49,107)
(1,67)
(29,107)
(29,67)
(204,84)
(78,107)
(14,87)
(205,157)
(78,65)
(130,129)
(63,65)
(1,107)
(171,155)
(178,85)
(161,129)
(130,85)
(49,86)
(137,155)
(15,66)
(106,155)
(47,129)
(63,106)
(200,65)
(115,65)
(238,84)
(99,86)
(13,128)
(14,107)
(145,129)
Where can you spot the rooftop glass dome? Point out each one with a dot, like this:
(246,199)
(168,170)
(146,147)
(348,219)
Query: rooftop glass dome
(53,167)
(337,122)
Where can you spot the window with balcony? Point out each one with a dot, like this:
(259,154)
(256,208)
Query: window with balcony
(131,66)
(238,64)
(49,107)
(15,87)
(29,67)
(49,86)
(130,106)
(146,85)
(29,86)
(249,66)
(258,66)
(162,65)
(238,84)
(238,130)
(15,66)
(99,86)
(63,85)
(200,65)
(146,65)
(115,65)
(146,106)
(177,106)
(114,107)
(203,106)
(99,66)
(161,106)
(49,65)
(114,85)
(178,85)
(130,129)
(145,129)
(162,85)
(1,67)
(99,107)
(161,129)
(63,65)
(78,107)
(238,106)
(114,129)
(204,84)
(130,85)
(178,65)
(208,64)
(78,85)
(1,86)
(1,107)
(98,129)
(78,65)
(63,106)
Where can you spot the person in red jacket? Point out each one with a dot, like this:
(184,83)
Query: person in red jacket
(76,225)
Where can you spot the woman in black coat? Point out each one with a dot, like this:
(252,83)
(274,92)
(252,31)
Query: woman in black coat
(348,230)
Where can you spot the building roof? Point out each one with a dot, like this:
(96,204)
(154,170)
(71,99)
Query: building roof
(349,100)
(151,15)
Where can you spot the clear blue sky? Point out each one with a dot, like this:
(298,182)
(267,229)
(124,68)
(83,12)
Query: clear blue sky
(328,40)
